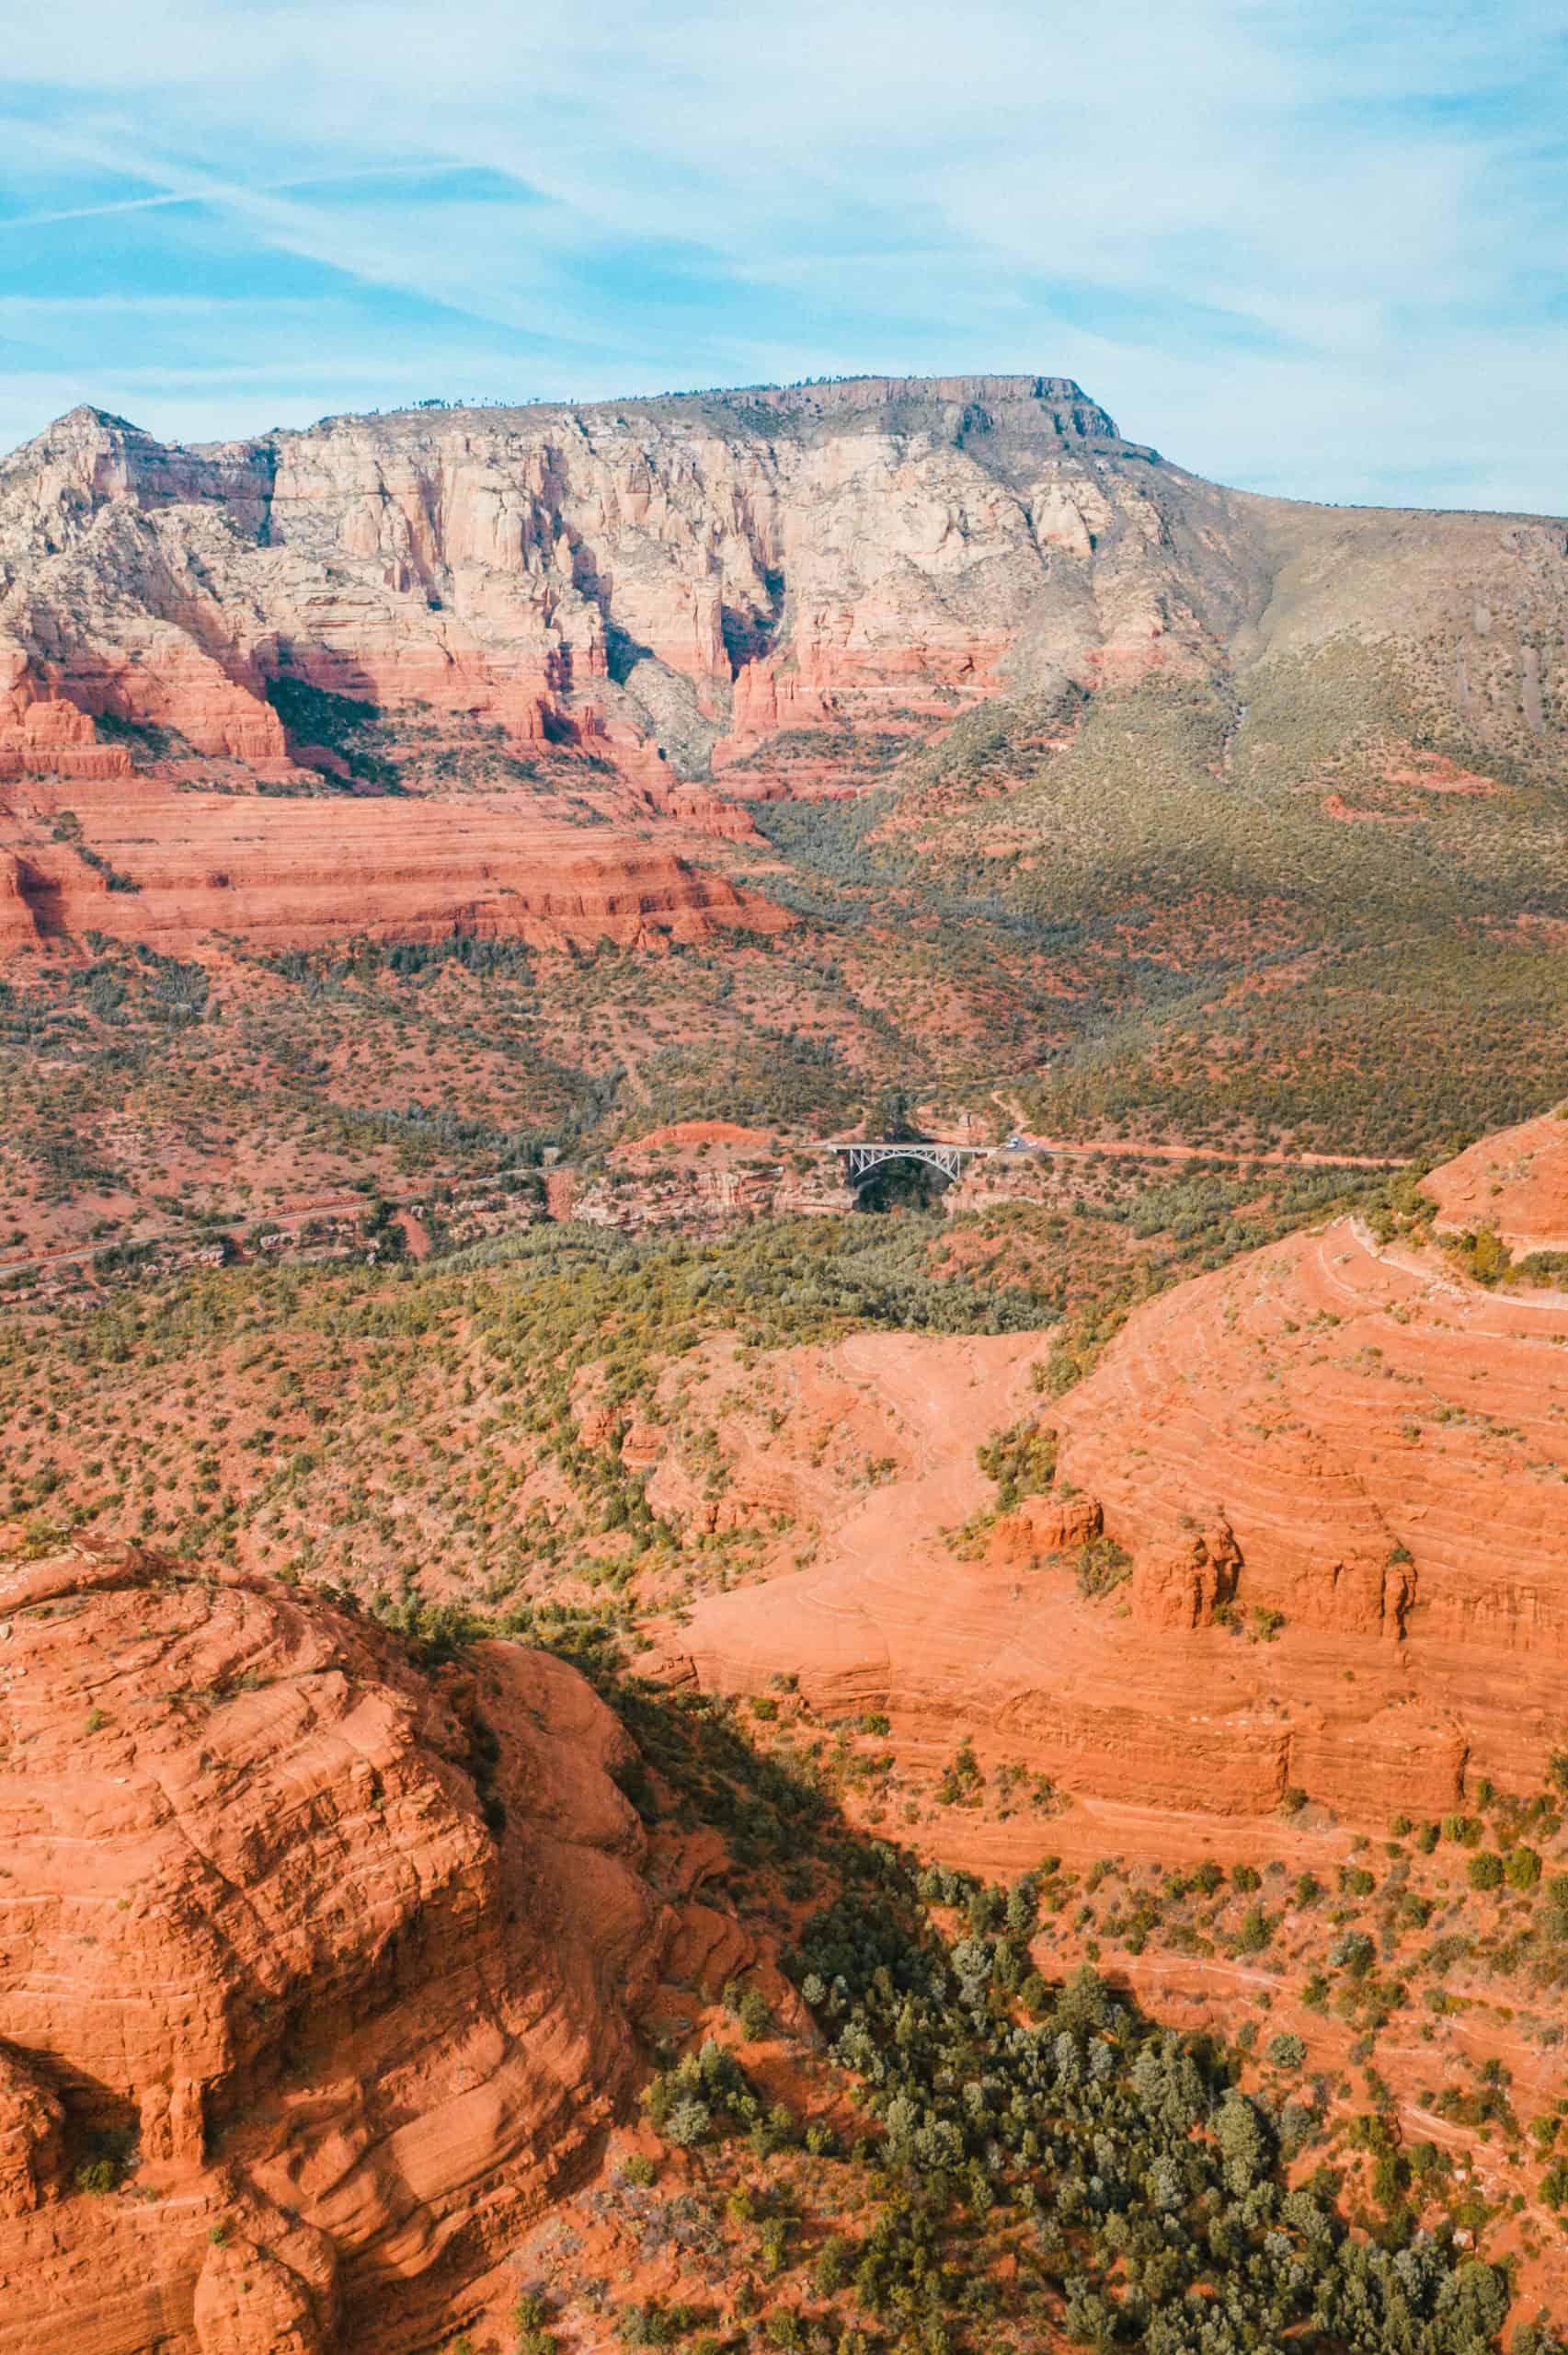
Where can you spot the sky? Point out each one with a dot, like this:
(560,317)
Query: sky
(1307,247)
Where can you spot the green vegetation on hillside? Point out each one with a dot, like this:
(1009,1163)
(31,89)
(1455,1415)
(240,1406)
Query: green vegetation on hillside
(1258,923)
(1030,2151)
(375,1425)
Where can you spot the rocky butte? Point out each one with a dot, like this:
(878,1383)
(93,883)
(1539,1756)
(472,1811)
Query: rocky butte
(617,621)
(349,1956)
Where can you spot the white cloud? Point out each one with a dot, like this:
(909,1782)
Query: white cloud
(1291,241)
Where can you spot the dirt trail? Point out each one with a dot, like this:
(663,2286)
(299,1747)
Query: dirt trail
(935,1402)
(876,1549)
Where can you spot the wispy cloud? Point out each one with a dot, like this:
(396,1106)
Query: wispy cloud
(1294,243)
(194,191)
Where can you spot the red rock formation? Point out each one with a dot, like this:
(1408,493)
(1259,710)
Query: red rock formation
(18,923)
(351,2014)
(1383,1443)
(1515,1184)
(44,735)
(1041,1526)
(1338,1476)
(598,573)
(1184,1584)
(32,2136)
(144,861)
(777,587)
(684,1136)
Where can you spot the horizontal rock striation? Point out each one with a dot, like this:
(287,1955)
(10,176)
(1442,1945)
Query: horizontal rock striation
(775,589)
(1386,1445)
(336,1954)
(1514,1186)
(1350,1454)
(141,861)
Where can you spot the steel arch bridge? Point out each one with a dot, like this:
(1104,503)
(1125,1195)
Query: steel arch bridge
(861,1161)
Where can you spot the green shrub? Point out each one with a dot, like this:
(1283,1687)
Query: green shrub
(1255,1930)
(1554,1906)
(1020,1460)
(531,2318)
(1101,1567)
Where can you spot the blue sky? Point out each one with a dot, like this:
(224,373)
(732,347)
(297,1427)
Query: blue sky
(1307,247)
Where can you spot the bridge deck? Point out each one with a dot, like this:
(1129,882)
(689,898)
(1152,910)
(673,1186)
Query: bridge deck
(871,1154)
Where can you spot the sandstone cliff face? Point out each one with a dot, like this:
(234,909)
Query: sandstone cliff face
(718,566)
(677,589)
(1338,1476)
(339,1956)
(146,862)
(715,566)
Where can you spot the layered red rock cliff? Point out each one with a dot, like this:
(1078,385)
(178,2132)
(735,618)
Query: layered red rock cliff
(703,570)
(335,1956)
(718,565)
(141,860)
(776,590)
(1337,1476)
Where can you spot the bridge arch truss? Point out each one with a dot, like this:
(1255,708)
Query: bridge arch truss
(861,1161)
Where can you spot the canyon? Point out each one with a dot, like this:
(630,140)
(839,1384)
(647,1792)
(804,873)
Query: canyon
(494,1550)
